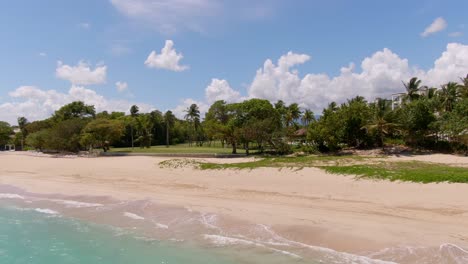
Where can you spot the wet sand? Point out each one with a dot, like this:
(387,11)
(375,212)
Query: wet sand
(307,206)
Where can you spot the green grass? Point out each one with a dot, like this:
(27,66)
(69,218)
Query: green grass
(404,171)
(288,162)
(179,149)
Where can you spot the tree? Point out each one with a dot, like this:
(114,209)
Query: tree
(379,123)
(101,133)
(292,114)
(5,133)
(193,118)
(416,119)
(412,89)
(454,124)
(38,139)
(449,94)
(77,109)
(144,128)
(133,113)
(169,120)
(463,87)
(22,122)
(307,117)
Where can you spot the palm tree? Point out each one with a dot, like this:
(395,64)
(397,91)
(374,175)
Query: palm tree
(308,117)
(412,89)
(449,94)
(378,124)
(133,113)
(292,114)
(463,88)
(193,117)
(22,122)
(169,119)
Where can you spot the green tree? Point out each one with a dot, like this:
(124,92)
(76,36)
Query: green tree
(38,140)
(193,118)
(101,132)
(22,122)
(169,120)
(454,124)
(5,133)
(379,123)
(77,109)
(416,119)
(449,94)
(412,89)
(133,114)
(307,117)
(144,126)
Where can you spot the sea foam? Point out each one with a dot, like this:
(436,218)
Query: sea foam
(133,216)
(11,196)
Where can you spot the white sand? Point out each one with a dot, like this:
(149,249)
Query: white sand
(307,205)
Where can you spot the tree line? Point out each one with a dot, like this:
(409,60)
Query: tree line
(422,117)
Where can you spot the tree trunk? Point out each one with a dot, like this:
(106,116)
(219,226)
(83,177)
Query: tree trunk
(131,133)
(234,148)
(167,136)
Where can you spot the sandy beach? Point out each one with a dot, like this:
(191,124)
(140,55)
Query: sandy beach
(306,205)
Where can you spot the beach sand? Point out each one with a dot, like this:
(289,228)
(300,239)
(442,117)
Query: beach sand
(307,205)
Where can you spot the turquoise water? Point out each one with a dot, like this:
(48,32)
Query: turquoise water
(38,229)
(27,236)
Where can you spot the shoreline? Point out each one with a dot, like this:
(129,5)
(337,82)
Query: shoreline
(308,205)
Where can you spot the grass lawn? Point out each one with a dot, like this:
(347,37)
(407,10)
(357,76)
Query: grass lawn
(179,149)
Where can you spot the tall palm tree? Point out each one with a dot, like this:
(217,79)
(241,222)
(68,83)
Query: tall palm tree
(307,117)
(412,89)
(133,113)
(449,94)
(193,117)
(22,122)
(292,114)
(169,119)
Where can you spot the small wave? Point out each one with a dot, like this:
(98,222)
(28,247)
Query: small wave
(162,226)
(11,196)
(133,216)
(46,211)
(225,241)
(77,204)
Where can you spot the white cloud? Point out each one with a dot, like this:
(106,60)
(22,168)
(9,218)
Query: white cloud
(437,25)
(168,58)
(381,75)
(81,74)
(121,86)
(168,16)
(42,54)
(35,103)
(455,34)
(221,90)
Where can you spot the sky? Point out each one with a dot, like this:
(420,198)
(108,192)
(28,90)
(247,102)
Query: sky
(168,54)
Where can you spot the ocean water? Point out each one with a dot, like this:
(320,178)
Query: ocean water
(54,229)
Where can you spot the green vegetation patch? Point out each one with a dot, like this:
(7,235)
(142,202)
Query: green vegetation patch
(404,171)
(289,162)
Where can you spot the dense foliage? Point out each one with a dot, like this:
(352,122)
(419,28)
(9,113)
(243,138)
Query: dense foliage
(425,117)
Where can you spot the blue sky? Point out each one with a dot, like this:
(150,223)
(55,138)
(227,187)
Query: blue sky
(44,43)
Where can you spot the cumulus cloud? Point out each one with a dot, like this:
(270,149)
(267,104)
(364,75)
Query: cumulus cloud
(168,59)
(221,90)
(381,75)
(81,74)
(35,103)
(42,54)
(121,86)
(437,25)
